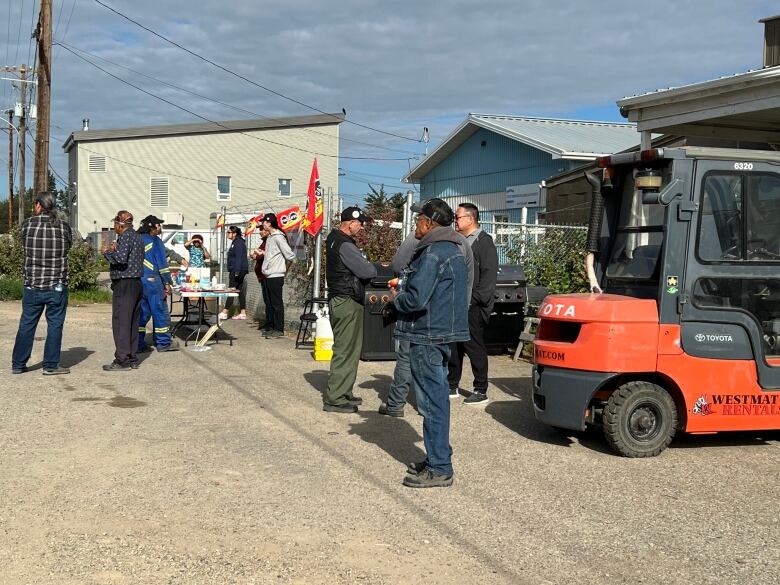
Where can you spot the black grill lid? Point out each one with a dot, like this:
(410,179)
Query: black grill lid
(511,274)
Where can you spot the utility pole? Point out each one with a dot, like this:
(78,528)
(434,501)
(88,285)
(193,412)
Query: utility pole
(43,34)
(22,141)
(10,170)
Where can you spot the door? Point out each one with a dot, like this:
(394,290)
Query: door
(732,284)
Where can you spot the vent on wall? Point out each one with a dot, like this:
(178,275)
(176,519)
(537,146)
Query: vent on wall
(158,192)
(97,163)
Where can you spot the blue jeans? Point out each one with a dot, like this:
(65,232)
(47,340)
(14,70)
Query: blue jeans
(33,303)
(429,372)
(402,380)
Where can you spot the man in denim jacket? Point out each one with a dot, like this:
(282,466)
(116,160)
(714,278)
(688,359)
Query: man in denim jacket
(432,302)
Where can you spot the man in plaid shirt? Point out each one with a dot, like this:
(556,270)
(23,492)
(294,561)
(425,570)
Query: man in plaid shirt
(46,239)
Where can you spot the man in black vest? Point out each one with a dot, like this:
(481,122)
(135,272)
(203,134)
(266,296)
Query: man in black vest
(482,298)
(347,271)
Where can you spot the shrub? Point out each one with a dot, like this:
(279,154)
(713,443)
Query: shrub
(10,288)
(554,259)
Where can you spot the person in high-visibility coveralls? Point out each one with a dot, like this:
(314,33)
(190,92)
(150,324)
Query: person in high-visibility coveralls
(157,283)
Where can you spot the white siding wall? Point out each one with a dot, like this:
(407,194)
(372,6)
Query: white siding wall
(192,164)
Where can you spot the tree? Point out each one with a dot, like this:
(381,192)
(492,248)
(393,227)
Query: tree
(378,203)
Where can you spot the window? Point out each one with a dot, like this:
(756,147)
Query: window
(285,187)
(223,188)
(499,225)
(740,218)
(97,163)
(158,192)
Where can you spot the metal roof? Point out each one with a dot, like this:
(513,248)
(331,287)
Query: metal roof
(744,106)
(564,139)
(202,128)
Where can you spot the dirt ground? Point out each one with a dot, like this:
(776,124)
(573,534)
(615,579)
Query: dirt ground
(220,467)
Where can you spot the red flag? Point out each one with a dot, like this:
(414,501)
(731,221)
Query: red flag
(312,223)
(289,218)
(252,224)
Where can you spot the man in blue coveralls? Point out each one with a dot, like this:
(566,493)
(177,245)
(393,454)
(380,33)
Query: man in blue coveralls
(157,283)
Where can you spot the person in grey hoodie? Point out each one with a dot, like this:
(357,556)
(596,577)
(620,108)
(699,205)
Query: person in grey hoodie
(276,255)
(402,374)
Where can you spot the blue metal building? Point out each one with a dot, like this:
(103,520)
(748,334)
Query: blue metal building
(499,163)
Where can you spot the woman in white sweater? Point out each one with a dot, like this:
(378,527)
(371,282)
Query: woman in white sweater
(276,257)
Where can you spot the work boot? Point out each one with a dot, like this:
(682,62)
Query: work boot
(174,346)
(383,409)
(55,371)
(427,478)
(355,399)
(416,468)
(342,408)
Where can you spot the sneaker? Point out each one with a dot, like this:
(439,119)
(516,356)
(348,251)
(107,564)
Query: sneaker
(55,371)
(427,478)
(390,411)
(454,392)
(355,399)
(115,367)
(21,370)
(239,317)
(222,316)
(416,468)
(174,346)
(274,334)
(476,398)
(343,408)
(135,365)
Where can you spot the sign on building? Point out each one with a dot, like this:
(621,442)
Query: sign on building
(523,196)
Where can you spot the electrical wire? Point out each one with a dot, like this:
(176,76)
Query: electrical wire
(32,33)
(214,100)
(162,99)
(263,87)
(19,34)
(67,27)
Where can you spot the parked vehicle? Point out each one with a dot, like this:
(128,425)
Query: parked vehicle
(685,336)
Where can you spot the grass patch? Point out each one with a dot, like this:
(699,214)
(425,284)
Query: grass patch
(86,297)
(11,289)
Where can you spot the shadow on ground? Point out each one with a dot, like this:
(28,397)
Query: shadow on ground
(394,436)
(74,356)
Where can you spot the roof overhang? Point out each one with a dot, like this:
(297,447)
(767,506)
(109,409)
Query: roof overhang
(744,106)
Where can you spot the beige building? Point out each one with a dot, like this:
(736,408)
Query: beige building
(183,173)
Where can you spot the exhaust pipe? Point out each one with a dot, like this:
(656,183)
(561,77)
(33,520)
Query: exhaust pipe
(596,213)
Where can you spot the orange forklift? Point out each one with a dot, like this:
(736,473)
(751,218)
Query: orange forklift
(681,331)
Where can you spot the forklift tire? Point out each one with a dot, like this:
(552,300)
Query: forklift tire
(639,420)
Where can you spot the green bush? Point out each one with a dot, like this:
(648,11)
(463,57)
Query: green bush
(82,262)
(555,259)
(10,288)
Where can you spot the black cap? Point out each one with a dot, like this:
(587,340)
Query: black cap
(151,221)
(354,212)
(435,209)
(271,218)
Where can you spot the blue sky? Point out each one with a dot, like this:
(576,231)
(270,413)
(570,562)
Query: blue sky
(395,68)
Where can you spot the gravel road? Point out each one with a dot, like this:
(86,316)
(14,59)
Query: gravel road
(220,467)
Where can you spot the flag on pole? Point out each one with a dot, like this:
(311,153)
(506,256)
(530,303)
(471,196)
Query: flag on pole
(252,224)
(220,221)
(289,218)
(312,223)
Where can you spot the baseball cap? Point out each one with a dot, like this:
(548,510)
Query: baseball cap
(124,217)
(435,209)
(151,220)
(271,218)
(354,212)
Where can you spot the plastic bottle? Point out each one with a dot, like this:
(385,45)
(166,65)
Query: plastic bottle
(214,282)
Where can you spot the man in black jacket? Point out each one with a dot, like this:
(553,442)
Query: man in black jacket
(482,298)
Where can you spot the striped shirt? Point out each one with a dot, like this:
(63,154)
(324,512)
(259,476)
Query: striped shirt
(46,245)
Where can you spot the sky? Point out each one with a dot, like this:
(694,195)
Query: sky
(394,67)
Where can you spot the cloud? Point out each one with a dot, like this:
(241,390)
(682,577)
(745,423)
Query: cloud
(397,67)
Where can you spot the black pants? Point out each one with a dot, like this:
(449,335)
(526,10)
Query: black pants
(269,312)
(275,286)
(475,349)
(236,280)
(125,314)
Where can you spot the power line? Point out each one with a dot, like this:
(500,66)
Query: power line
(214,100)
(162,99)
(227,70)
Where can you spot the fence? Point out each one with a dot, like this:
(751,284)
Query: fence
(514,241)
